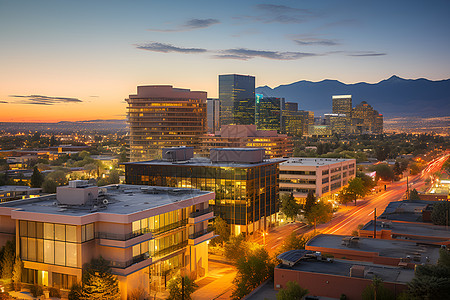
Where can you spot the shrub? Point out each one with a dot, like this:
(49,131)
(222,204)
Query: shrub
(54,292)
(36,290)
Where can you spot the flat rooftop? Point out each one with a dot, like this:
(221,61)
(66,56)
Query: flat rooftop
(407,210)
(205,162)
(384,248)
(313,162)
(17,188)
(122,200)
(415,229)
(342,268)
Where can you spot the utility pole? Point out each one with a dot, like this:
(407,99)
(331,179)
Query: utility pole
(374,223)
(407,188)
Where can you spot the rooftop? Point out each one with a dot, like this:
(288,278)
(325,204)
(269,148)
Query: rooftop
(384,248)
(313,162)
(342,268)
(407,210)
(413,229)
(206,162)
(120,199)
(17,188)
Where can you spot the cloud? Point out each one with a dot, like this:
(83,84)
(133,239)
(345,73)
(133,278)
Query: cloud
(273,13)
(365,53)
(166,48)
(94,96)
(1,101)
(246,54)
(316,42)
(191,24)
(44,100)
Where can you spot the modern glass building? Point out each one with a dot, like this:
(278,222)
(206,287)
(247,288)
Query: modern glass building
(246,193)
(268,113)
(163,116)
(342,105)
(296,122)
(365,119)
(237,99)
(213,113)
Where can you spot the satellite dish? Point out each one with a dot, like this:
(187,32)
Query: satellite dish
(105,201)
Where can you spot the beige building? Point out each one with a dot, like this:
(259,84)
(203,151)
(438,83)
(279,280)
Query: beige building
(147,234)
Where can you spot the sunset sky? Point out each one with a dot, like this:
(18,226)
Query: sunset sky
(79,60)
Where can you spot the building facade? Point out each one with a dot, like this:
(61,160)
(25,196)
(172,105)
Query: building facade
(367,120)
(237,99)
(146,234)
(163,116)
(296,122)
(342,105)
(246,186)
(268,113)
(213,114)
(322,176)
(247,136)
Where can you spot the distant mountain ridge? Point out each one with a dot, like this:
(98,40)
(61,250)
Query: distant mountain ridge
(392,97)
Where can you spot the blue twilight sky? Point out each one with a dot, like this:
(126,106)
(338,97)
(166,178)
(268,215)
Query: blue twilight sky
(76,60)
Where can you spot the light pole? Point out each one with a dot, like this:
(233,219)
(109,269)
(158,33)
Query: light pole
(264,237)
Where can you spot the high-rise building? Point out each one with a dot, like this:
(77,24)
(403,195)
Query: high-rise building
(339,123)
(163,116)
(365,119)
(268,113)
(245,184)
(237,99)
(342,105)
(213,113)
(295,122)
(247,136)
(147,235)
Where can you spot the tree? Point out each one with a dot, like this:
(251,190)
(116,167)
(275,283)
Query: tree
(181,288)
(376,291)
(289,206)
(8,260)
(355,189)
(49,186)
(320,213)
(310,201)
(294,242)
(17,273)
(99,282)
(76,292)
(414,195)
(384,172)
(440,215)
(37,178)
(222,229)
(292,291)
(252,269)
(236,247)
(397,169)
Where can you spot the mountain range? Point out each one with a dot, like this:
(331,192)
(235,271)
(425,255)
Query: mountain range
(393,97)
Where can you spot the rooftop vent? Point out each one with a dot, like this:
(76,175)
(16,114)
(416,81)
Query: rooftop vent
(178,153)
(78,192)
(237,155)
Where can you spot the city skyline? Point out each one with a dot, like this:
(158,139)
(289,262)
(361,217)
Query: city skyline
(79,61)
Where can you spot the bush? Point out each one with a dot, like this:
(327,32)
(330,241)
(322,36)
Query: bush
(75,292)
(36,290)
(54,292)
(440,212)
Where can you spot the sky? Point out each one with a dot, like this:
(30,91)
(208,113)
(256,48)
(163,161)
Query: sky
(63,60)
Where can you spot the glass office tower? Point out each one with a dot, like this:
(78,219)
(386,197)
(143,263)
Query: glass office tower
(237,99)
(268,113)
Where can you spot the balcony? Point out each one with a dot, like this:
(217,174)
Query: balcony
(170,249)
(201,236)
(202,215)
(128,263)
(121,236)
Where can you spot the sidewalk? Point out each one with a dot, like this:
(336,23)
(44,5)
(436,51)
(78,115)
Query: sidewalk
(218,284)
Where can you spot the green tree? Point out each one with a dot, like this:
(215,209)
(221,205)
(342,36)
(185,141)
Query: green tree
(292,291)
(310,201)
(414,195)
(320,213)
(222,229)
(294,242)
(236,247)
(355,189)
(36,179)
(49,186)
(8,260)
(289,206)
(440,215)
(384,172)
(17,273)
(252,269)
(181,288)
(76,292)
(99,282)
(376,291)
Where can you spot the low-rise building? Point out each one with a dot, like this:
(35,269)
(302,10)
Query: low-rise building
(147,234)
(334,278)
(323,176)
(247,136)
(377,251)
(15,192)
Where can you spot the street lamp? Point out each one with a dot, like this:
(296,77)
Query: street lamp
(264,237)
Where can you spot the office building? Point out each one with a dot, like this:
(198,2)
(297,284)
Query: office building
(296,122)
(366,120)
(247,136)
(163,116)
(325,177)
(15,192)
(148,235)
(237,99)
(342,105)
(246,185)
(213,113)
(268,113)
(319,131)
(339,123)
